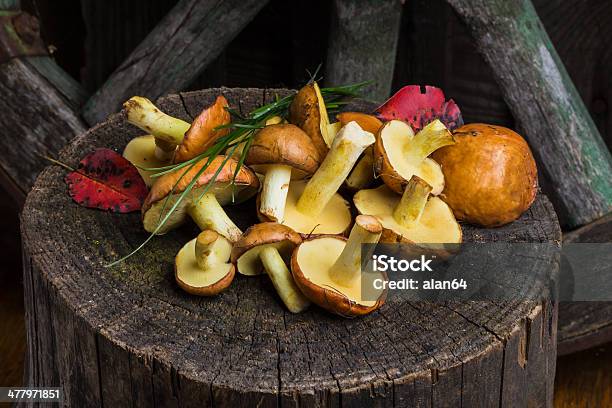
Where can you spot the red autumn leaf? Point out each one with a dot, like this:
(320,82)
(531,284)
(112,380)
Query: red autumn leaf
(107,181)
(411,105)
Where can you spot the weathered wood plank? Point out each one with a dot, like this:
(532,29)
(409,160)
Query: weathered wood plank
(36,120)
(363,43)
(545,104)
(189,38)
(10,4)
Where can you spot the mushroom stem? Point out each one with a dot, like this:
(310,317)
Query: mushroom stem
(274,192)
(208,214)
(347,268)
(282,280)
(412,204)
(363,172)
(211,249)
(432,137)
(164,150)
(348,145)
(142,113)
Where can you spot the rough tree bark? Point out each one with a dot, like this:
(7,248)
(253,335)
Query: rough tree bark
(128,336)
(545,104)
(190,37)
(363,43)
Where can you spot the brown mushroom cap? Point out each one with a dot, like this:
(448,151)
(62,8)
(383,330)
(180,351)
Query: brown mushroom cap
(306,112)
(245,253)
(245,187)
(491,175)
(369,123)
(309,263)
(391,164)
(190,277)
(202,134)
(437,224)
(283,144)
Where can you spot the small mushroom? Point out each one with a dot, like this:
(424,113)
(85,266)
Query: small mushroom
(202,266)
(168,131)
(362,174)
(307,110)
(264,247)
(400,154)
(327,269)
(141,152)
(315,206)
(204,132)
(281,152)
(415,217)
(204,209)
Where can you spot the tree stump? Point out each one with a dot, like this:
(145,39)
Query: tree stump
(128,336)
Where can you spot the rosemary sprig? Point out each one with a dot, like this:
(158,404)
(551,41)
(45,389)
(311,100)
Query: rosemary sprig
(243,130)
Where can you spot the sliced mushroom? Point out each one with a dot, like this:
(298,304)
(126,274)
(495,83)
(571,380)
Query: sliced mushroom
(362,174)
(281,152)
(202,265)
(205,209)
(265,247)
(327,269)
(307,110)
(415,217)
(399,154)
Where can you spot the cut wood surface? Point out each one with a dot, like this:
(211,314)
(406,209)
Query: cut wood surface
(38,118)
(189,38)
(129,336)
(363,43)
(546,105)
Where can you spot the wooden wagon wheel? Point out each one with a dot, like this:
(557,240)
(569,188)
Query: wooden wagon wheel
(130,336)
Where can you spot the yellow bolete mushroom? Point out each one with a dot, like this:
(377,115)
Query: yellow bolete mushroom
(399,154)
(308,111)
(266,247)
(281,152)
(315,206)
(415,217)
(362,174)
(205,209)
(327,269)
(171,139)
(202,265)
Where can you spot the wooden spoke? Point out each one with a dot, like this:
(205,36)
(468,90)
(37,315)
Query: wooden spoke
(363,43)
(546,104)
(189,38)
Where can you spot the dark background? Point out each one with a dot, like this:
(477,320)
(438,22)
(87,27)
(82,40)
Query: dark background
(90,38)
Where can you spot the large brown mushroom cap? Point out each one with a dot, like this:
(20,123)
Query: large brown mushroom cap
(320,253)
(245,253)
(491,175)
(246,186)
(307,110)
(202,134)
(283,144)
(193,280)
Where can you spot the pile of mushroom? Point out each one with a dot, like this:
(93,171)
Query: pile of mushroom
(310,177)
